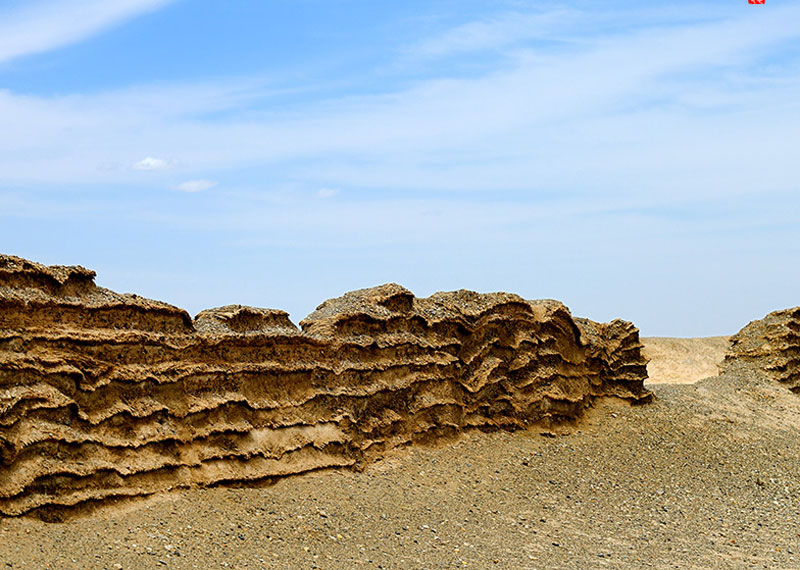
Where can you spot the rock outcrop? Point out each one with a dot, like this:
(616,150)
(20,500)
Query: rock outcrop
(106,396)
(771,345)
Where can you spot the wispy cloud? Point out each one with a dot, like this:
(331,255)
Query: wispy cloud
(40,25)
(584,142)
(327,192)
(195,185)
(558,25)
(150,163)
(670,110)
(497,32)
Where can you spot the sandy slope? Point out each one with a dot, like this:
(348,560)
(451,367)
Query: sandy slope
(705,477)
(683,360)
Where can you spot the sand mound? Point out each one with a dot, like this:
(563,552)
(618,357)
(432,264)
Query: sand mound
(105,396)
(771,345)
(683,360)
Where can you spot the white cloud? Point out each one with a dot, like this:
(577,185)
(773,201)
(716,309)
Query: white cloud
(195,185)
(151,163)
(327,192)
(571,144)
(42,25)
(494,33)
(559,24)
(669,110)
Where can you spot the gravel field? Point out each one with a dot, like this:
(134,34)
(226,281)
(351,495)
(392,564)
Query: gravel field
(705,477)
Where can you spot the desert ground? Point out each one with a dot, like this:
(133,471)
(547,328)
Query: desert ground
(683,360)
(706,476)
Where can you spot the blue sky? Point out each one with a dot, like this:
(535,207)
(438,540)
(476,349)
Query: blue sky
(632,159)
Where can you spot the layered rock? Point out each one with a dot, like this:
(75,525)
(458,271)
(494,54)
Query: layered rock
(106,396)
(771,345)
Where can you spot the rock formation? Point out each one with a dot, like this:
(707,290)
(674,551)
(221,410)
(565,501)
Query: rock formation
(105,396)
(771,345)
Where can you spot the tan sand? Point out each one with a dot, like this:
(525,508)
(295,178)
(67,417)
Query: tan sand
(683,360)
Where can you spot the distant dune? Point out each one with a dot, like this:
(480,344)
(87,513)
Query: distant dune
(683,360)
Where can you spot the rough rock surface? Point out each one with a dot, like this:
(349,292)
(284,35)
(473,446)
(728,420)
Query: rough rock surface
(105,396)
(771,345)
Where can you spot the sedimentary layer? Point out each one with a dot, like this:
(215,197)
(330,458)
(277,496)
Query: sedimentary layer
(106,396)
(771,345)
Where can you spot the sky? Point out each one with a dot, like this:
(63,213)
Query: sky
(632,159)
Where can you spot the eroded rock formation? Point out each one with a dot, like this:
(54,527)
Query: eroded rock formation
(771,345)
(105,396)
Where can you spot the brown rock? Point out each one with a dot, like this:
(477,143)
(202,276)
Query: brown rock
(770,345)
(104,396)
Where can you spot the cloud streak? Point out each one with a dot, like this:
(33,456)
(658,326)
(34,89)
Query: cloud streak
(195,185)
(605,160)
(672,110)
(327,192)
(495,33)
(42,25)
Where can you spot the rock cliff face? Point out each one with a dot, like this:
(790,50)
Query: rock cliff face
(772,345)
(106,396)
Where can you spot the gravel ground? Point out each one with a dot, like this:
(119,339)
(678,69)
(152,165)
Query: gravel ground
(707,476)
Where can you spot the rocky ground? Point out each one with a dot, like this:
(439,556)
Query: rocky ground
(704,477)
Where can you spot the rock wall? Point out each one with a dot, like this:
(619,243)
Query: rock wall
(772,345)
(106,396)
